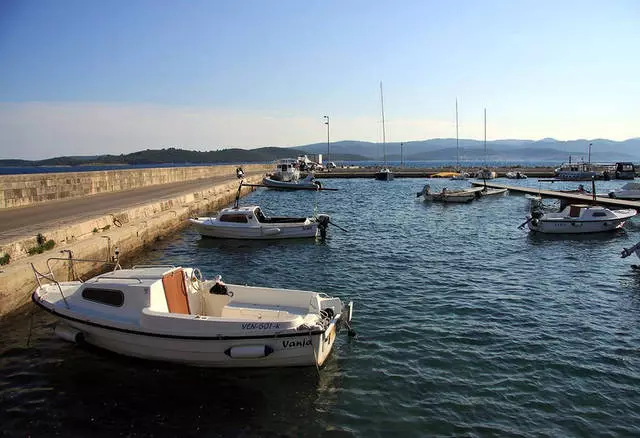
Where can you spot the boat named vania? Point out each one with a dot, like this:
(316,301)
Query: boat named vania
(173,314)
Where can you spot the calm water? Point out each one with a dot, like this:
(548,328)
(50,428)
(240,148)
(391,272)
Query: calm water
(467,326)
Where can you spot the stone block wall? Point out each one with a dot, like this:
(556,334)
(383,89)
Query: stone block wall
(27,189)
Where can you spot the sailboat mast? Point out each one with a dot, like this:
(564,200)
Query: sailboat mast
(457,145)
(485,137)
(384,135)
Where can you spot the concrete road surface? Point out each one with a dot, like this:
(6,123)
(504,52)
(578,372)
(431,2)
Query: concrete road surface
(19,222)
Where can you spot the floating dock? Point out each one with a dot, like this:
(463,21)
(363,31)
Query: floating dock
(566,197)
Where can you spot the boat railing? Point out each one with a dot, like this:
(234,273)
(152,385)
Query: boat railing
(50,276)
(153,266)
(139,280)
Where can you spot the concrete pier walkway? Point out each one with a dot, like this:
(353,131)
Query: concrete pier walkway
(93,226)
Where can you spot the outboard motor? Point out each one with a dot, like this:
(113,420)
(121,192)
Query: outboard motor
(323,224)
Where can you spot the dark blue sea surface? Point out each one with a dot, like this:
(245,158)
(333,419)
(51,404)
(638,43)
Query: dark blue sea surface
(467,326)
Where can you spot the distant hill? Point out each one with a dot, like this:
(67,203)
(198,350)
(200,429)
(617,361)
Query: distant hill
(547,149)
(174,155)
(525,150)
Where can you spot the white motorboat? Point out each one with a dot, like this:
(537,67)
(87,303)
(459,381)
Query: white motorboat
(384,174)
(628,191)
(286,169)
(308,183)
(576,172)
(449,196)
(249,222)
(171,313)
(515,175)
(577,218)
(486,174)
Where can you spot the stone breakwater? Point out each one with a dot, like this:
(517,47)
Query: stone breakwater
(28,189)
(130,229)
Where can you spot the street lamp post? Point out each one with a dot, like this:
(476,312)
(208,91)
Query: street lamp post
(326,122)
(401,155)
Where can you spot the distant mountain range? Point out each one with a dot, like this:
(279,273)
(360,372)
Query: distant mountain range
(546,149)
(440,149)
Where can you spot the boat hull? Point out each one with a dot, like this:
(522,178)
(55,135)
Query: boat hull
(290,185)
(265,232)
(272,350)
(384,176)
(451,199)
(568,226)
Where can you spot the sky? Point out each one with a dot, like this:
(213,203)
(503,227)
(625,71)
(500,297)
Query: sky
(86,77)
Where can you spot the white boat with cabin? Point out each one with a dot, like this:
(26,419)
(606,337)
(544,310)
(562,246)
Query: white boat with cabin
(580,171)
(249,222)
(628,191)
(513,174)
(308,183)
(286,169)
(173,314)
(579,218)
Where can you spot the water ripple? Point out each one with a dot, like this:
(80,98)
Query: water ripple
(467,326)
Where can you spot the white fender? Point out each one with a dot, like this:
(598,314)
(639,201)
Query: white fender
(70,334)
(248,351)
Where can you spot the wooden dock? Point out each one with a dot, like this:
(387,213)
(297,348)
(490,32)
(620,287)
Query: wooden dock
(566,197)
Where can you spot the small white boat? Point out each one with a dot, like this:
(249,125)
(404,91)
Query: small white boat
(486,174)
(628,191)
(489,191)
(308,183)
(286,169)
(515,175)
(249,222)
(384,174)
(460,175)
(171,313)
(449,196)
(577,218)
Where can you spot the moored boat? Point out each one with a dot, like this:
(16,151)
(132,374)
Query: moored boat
(308,183)
(384,174)
(172,313)
(249,222)
(628,191)
(449,196)
(579,218)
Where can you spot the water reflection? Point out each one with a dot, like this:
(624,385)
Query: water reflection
(53,387)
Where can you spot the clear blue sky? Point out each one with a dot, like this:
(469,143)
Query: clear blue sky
(86,77)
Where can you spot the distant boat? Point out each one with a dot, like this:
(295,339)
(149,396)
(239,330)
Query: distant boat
(485,173)
(286,169)
(515,175)
(628,191)
(384,174)
(458,174)
(449,196)
(307,183)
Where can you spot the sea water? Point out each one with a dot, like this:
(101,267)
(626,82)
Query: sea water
(467,326)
